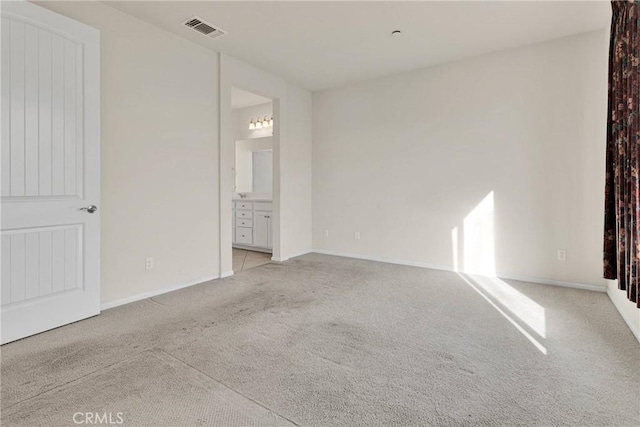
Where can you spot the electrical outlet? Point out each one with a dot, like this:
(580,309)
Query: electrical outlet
(326,233)
(562,255)
(149,263)
(356,235)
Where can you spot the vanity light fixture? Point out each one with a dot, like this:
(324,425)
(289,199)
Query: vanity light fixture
(266,122)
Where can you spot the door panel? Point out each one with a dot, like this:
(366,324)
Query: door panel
(40,262)
(50,170)
(44,113)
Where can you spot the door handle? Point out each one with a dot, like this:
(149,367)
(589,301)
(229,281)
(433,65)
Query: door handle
(90,209)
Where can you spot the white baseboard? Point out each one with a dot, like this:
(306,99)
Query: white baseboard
(633,324)
(574,285)
(295,255)
(382,259)
(291,256)
(150,294)
(227,274)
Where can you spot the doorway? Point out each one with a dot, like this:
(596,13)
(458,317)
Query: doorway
(252,201)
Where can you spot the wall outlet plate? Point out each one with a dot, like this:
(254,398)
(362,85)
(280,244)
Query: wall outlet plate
(148,263)
(562,254)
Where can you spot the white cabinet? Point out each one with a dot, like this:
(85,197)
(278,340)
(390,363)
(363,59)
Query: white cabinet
(243,213)
(252,227)
(244,222)
(244,236)
(244,205)
(262,229)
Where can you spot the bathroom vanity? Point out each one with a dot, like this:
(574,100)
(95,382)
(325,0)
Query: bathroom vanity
(252,224)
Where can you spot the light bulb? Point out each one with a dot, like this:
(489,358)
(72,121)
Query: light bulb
(258,124)
(265,122)
(271,121)
(252,125)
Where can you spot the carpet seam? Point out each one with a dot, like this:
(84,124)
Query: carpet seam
(228,387)
(58,387)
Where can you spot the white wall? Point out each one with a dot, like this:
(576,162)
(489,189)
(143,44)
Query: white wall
(296,171)
(513,142)
(159,154)
(628,310)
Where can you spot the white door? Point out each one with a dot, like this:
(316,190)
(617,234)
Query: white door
(50,170)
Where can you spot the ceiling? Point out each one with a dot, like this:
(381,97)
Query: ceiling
(319,45)
(241,99)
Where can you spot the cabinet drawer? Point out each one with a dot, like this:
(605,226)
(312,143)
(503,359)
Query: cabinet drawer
(244,205)
(263,206)
(240,214)
(241,222)
(244,235)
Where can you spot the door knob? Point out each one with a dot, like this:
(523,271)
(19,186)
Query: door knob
(91,208)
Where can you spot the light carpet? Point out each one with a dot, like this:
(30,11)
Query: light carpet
(328,341)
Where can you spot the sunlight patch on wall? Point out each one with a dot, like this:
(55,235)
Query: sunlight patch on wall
(479,241)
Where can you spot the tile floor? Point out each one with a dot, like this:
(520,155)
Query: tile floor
(244,260)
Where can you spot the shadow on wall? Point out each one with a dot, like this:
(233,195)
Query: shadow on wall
(478,269)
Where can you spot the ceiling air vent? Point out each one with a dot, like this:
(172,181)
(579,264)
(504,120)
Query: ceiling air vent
(204,28)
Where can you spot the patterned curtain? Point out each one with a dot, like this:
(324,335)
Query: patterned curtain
(622,192)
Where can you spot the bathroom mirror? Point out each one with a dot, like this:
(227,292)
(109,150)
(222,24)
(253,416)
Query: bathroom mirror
(254,165)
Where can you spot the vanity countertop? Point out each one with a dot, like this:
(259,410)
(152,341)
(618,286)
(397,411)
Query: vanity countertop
(252,200)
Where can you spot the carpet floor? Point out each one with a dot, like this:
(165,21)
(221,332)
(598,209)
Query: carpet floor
(329,341)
